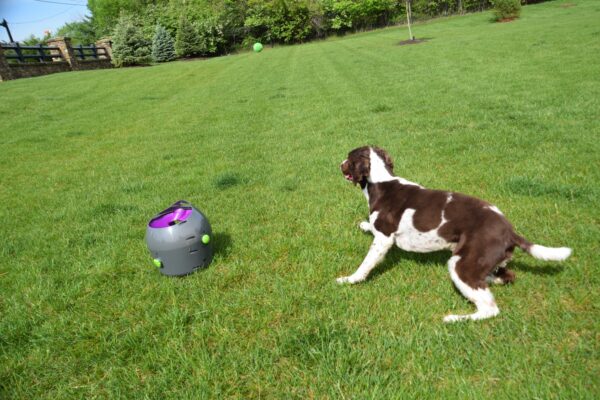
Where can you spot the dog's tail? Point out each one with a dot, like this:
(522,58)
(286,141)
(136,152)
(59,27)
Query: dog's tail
(543,252)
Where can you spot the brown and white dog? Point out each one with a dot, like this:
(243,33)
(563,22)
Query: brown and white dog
(422,220)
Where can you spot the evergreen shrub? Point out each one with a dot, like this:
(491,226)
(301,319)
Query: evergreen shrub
(163,45)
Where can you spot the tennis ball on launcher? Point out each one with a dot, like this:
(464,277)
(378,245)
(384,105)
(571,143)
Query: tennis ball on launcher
(257,47)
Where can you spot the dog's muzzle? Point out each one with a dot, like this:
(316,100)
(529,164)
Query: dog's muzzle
(345,172)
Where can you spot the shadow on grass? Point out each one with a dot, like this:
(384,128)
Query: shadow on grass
(222,244)
(396,256)
(414,41)
(228,180)
(537,270)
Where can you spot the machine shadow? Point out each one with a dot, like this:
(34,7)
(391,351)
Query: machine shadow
(222,243)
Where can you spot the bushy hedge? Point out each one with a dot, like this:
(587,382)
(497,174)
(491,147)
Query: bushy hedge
(506,9)
(224,25)
(215,27)
(211,39)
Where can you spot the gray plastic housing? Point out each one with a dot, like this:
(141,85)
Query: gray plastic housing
(179,247)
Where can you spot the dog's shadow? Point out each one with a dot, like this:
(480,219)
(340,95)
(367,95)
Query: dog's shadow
(396,256)
(550,270)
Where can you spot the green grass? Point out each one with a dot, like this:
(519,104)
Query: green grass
(507,112)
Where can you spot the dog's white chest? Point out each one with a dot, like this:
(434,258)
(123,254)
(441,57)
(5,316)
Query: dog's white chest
(411,239)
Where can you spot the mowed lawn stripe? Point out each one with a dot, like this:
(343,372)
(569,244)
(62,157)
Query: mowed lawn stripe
(507,112)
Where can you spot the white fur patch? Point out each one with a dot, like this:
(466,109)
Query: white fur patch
(550,253)
(366,193)
(410,238)
(373,217)
(495,209)
(496,280)
(379,172)
(365,226)
(368,226)
(407,182)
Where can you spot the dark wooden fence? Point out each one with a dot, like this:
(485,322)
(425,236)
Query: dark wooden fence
(16,52)
(19,61)
(87,52)
(41,53)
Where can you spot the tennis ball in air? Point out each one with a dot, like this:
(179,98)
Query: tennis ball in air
(257,47)
(205,239)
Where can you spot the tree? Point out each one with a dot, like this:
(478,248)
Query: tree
(106,13)
(210,36)
(187,39)
(130,47)
(80,32)
(163,45)
(33,40)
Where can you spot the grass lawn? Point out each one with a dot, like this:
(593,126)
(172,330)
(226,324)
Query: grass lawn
(508,112)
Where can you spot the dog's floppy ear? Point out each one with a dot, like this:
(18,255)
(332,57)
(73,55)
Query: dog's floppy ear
(389,163)
(359,165)
(362,169)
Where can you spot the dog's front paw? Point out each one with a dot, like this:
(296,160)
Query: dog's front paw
(349,279)
(451,318)
(365,226)
(455,318)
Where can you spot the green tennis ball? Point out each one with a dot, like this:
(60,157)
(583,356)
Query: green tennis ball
(257,47)
(205,239)
(157,262)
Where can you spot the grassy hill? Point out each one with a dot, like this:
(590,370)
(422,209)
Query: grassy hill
(508,112)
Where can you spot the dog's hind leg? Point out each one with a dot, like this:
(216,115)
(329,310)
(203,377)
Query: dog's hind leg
(380,246)
(469,279)
(501,276)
